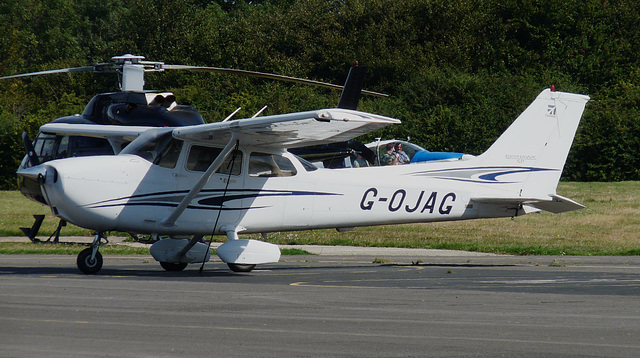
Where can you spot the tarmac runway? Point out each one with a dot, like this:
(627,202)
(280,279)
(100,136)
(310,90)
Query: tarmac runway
(409,304)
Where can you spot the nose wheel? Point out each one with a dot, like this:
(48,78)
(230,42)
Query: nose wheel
(90,259)
(88,264)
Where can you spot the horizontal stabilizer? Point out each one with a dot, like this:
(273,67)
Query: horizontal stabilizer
(555,203)
(558,204)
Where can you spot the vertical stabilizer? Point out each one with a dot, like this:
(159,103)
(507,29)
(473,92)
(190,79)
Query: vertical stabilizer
(538,141)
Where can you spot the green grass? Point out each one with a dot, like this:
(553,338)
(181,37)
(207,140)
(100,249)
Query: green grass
(28,248)
(610,225)
(292,252)
(17,211)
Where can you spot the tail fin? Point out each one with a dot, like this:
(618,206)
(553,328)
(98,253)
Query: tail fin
(353,88)
(538,142)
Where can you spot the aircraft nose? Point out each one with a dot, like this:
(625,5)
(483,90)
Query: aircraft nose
(37,173)
(41,174)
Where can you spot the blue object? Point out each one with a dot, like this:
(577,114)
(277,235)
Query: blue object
(425,156)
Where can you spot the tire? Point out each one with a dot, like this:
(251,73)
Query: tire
(241,267)
(86,265)
(171,267)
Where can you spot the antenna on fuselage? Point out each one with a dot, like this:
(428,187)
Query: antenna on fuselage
(232,114)
(259,112)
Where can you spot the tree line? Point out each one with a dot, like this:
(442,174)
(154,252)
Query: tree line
(458,72)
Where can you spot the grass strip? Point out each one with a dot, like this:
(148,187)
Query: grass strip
(28,248)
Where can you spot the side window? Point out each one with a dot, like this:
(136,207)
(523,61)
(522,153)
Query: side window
(270,165)
(200,158)
(78,146)
(169,155)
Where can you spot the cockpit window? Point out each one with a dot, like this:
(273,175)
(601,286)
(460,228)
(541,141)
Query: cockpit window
(308,166)
(49,146)
(270,165)
(44,146)
(78,146)
(200,158)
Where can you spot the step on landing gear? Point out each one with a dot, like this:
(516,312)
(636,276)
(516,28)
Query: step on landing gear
(90,260)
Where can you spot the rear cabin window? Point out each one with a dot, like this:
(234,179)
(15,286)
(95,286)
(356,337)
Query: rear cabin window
(200,158)
(308,166)
(270,165)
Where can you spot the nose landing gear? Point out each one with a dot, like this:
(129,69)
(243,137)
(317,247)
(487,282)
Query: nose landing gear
(90,259)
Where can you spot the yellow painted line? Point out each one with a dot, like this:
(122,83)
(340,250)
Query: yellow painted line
(306,284)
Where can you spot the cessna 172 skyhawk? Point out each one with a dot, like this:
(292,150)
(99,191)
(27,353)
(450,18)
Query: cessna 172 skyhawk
(238,177)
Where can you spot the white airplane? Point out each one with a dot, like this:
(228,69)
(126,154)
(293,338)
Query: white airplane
(238,177)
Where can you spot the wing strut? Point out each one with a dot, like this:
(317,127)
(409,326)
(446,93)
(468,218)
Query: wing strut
(171,219)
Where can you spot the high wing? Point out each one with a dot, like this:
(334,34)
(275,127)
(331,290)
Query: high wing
(288,130)
(277,132)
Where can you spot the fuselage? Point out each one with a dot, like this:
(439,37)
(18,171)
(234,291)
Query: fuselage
(181,181)
(264,192)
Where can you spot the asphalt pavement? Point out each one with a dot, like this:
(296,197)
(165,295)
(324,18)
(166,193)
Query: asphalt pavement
(337,303)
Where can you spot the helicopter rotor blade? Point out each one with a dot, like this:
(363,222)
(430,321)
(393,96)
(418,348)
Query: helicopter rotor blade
(61,70)
(266,75)
(133,67)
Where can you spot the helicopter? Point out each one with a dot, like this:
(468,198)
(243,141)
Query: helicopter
(136,108)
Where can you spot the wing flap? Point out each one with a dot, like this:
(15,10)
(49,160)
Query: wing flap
(289,130)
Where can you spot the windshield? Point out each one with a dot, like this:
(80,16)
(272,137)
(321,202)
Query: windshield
(150,144)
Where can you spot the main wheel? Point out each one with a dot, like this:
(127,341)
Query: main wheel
(240,267)
(170,266)
(86,264)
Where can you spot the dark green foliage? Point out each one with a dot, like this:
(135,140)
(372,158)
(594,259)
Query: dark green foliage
(459,71)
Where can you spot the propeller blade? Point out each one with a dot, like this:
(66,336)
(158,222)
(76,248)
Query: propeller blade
(61,70)
(265,75)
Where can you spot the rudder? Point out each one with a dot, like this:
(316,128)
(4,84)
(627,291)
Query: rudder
(538,141)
